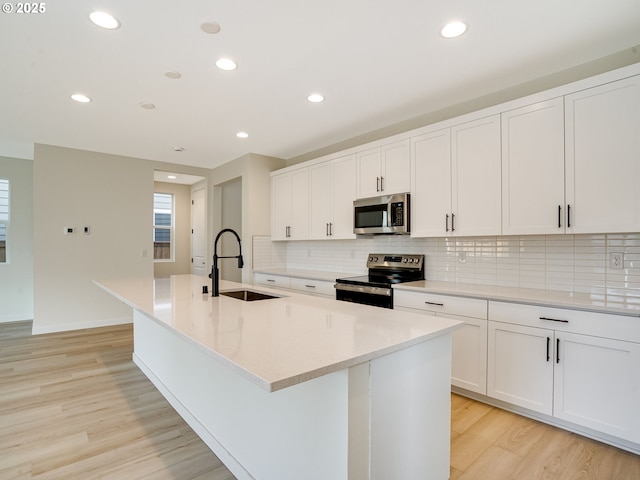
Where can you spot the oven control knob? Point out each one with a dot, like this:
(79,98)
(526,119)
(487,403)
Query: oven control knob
(405,260)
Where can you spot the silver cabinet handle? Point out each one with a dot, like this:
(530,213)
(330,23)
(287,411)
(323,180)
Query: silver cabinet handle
(382,184)
(310,286)
(377,184)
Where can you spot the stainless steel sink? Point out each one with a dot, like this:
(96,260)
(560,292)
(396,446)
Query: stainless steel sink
(247,295)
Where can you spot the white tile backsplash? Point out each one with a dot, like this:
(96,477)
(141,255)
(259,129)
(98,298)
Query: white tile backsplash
(571,263)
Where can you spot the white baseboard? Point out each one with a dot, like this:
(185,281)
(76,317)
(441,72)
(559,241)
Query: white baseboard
(16,317)
(63,327)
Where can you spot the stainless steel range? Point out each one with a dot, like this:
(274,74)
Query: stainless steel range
(376,288)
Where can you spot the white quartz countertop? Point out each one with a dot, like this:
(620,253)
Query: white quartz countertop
(599,303)
(279,342)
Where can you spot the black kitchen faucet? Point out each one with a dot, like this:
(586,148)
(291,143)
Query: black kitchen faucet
(215,272)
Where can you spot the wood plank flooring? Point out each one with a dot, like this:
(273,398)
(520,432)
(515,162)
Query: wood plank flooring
(74,406)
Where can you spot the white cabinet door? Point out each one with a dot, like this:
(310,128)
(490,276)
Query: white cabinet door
(369,173)
(396,168)
(290,205)
(332,190)
(476,177)
(431,183)
(603,157)
(533,169)
(276,281)
(299,229)
(384,170)
(280,206)
(597,384)
(520,366)
(469,355)
(344,193)
(320,196)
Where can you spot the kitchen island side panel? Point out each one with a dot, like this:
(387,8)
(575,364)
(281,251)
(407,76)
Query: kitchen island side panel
(297,432)
(374,421)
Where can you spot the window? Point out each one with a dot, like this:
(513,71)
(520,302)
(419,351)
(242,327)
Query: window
(162,226)
(4,218)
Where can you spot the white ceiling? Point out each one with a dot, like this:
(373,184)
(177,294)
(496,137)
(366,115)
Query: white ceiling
(378,62)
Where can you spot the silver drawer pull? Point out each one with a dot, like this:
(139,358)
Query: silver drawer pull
(310,286)
(554,320)
(436,304)
(270,280)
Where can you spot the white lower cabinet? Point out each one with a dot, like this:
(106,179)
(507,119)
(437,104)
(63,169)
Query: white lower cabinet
(596,384)
(579,367)
(469,353)
(299,284)
(313,287)
(520,370)
(276,281)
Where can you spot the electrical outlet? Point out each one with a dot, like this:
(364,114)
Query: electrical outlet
(616,261)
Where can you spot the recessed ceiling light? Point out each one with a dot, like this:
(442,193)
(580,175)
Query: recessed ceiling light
(173,75)
(315,98)
(172,177)
(210,27)
(79,97)
(104,20)
(453,29)
(226,64)
(178,149)
(147,105)
(242,135)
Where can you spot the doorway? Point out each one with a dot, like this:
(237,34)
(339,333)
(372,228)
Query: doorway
(230,217)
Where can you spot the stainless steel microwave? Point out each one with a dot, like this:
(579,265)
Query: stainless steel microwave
(387,214)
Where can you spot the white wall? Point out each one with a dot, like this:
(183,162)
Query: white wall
(16,276)
(114,196)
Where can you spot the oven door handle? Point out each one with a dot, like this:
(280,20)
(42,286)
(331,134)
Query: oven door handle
(363,289)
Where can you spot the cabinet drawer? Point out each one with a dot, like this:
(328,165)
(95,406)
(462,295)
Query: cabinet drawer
(314,287)
(278,281)
(467,307)
(616,327)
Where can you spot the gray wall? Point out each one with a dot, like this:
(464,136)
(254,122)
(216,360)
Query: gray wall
(114,196)
(16,276)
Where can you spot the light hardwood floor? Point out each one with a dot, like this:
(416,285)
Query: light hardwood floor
(74,406)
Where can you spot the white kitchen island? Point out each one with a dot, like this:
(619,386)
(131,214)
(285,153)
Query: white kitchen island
(298,387)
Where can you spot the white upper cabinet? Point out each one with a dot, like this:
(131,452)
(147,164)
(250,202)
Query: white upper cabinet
(332,190)
(290,205)
(431,183)
(603,158)
(456,180)
(384,170)
(344,173)
(475,178)
(320,193)
(533,169)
